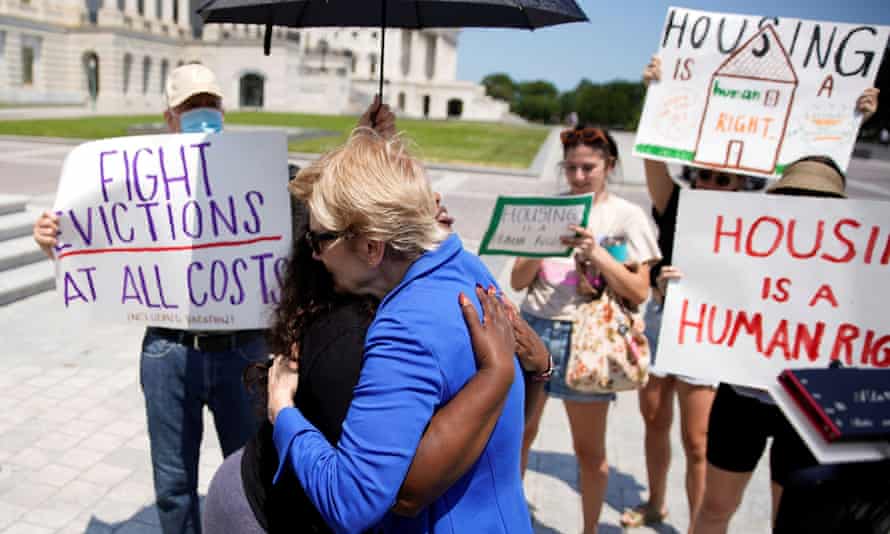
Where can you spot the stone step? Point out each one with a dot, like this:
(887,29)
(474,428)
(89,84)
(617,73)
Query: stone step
(21,282)
(15,225)
(12,204)
(18,252)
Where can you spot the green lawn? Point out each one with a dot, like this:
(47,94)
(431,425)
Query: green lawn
(443,141)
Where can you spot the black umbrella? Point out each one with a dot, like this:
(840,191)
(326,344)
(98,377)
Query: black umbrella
(411,14)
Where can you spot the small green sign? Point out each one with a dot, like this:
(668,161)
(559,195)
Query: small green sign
(532,226)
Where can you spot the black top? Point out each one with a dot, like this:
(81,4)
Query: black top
(666,223)
(330,363)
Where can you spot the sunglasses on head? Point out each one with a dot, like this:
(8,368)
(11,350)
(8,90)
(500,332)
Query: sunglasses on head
(719,178)
(315,239)
(587,136)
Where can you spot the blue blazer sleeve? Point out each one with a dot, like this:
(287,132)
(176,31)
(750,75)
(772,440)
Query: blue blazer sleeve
(355,484)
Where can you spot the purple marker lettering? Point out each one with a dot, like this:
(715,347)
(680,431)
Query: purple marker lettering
(104,219)
(149,219)
(261,259)
(115,220)
(86,236)
(215,267)
(196,265)
(69,286)
(148,301)
(237,279)
(129,282)
(89,272)
(216,214)
(152,177)
(161,290)
(170,179)
(201,147)
(170,220)
(253,211)
(102,179)
(199,220)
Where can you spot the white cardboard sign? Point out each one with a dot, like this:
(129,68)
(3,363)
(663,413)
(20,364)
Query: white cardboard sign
(775,282)
(189,231)
(753,94)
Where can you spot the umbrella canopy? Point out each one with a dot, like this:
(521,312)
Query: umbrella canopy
(411,14)
(528,14)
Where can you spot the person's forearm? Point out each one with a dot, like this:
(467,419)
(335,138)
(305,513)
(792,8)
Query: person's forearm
(456,437)
(524,272)
(534,391)
(633,286)
(659,183)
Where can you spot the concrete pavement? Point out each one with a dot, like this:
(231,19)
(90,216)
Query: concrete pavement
(73,445)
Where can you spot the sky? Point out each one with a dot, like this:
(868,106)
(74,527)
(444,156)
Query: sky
(621,37)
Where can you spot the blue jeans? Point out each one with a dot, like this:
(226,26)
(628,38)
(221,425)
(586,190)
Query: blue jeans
(178,381)
(557,337)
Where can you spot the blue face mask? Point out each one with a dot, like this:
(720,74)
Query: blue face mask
(201,120)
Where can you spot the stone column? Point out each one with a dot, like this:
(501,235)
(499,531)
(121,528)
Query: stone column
(185,13)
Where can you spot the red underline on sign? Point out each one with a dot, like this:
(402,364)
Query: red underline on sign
(219,244)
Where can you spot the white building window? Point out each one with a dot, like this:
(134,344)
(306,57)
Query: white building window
(175,10)
(406,53)
(430,56)
(372,59)
(146,74)
(30,59)
(165,66)
(128,67)
(121,5)
(159,9)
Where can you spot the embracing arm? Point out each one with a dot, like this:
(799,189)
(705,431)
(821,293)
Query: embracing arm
(459,431)
(355,484)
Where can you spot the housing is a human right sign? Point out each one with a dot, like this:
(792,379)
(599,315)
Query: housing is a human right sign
(752,94)
(774,282)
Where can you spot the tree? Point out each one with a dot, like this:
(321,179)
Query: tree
(537,101)
(500,86)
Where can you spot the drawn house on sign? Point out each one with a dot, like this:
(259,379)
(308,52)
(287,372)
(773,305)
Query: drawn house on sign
(747,107)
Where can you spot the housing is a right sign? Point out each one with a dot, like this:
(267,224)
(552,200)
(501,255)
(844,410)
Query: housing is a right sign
(751,94)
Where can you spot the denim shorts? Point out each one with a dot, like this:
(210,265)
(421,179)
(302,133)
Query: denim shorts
(557,336)
(652,319)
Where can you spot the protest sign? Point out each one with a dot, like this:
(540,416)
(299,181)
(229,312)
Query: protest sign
(775,282)
(532,226)
(753,94)
(189,231)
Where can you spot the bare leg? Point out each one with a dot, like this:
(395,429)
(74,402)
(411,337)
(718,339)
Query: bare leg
(695,407)
(657,409)
(534,410)
(776,491)
(723,494)
(587,421)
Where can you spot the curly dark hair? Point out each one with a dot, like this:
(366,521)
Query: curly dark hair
(307,293)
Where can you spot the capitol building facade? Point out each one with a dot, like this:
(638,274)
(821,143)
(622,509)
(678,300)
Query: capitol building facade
(115,57)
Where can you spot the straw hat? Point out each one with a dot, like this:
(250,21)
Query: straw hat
(810,175)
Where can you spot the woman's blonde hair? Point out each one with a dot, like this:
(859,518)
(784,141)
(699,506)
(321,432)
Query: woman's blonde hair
(373,187)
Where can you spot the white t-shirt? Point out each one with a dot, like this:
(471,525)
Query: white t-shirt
(553,293)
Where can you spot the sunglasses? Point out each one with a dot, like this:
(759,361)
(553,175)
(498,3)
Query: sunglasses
(315,239)
(720,179)
(587,136)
